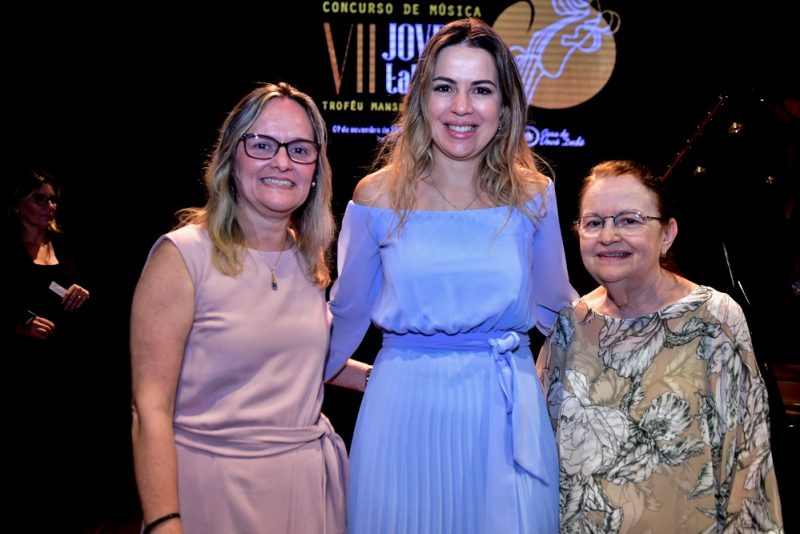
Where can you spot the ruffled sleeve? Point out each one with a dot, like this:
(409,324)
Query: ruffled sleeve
(357,287)
(551,288)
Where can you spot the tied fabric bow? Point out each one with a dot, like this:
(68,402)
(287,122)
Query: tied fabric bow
(532,444)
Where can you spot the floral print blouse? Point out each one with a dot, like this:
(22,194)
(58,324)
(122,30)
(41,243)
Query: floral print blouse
(661,421)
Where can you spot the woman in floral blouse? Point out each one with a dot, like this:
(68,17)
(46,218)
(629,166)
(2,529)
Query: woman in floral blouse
(651,382)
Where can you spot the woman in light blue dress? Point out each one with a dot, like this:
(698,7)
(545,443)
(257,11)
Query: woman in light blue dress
(453,249)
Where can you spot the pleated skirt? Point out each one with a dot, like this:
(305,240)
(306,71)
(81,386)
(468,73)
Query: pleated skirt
(419,459)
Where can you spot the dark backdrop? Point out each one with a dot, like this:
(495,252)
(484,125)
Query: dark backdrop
(123,106)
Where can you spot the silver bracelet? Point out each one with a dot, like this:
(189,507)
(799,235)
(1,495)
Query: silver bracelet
(366,376)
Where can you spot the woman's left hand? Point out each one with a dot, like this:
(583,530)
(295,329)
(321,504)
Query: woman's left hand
(75,297)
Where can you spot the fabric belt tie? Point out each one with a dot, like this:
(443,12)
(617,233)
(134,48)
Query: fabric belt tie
(271,441)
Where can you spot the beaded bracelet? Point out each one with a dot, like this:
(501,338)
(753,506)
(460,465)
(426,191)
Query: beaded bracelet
(163,519)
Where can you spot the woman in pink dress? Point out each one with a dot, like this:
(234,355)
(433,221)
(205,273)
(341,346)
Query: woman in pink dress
(229,334)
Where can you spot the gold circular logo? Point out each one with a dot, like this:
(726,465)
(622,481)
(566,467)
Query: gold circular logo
(565,50)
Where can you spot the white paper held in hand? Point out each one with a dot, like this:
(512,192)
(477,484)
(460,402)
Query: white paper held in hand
(57,289)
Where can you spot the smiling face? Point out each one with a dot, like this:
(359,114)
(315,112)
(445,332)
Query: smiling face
(39,209)
(465,103)
(611,257)
(275,187)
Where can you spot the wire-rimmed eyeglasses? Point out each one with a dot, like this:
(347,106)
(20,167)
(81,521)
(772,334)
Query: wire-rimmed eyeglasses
(259,146)
(629,222)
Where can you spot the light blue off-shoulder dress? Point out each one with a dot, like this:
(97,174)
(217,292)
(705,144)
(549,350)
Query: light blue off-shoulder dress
(452,435)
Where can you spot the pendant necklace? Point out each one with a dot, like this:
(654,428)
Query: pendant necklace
(272,269)
(448,201)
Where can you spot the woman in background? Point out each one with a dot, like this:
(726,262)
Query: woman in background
(48,338)
(43,294)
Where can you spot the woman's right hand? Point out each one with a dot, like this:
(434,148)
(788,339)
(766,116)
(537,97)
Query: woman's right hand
(37,327)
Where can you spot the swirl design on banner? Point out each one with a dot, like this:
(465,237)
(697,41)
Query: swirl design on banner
(565,49)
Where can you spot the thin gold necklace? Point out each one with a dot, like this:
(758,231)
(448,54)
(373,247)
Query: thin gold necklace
(448,201)
(274,266)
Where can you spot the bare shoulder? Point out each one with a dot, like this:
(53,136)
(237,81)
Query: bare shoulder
(164,270)
(371,190)
(165,255)
(535,183)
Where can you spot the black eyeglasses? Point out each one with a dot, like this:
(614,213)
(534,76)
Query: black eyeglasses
(259,146)
(41,199)
(626,223)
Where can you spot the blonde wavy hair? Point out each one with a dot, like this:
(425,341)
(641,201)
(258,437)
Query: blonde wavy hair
(312,224)
(508,173)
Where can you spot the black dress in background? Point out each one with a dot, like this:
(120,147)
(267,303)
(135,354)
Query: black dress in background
(50,428)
